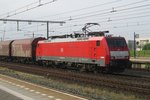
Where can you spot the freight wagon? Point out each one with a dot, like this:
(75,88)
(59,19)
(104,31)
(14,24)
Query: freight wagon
(5,49)
(24,49)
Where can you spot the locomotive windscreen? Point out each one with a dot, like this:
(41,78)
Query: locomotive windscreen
(116,42)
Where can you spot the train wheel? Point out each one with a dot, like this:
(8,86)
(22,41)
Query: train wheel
(39,63)
(81,67)
(96,70)
(106,70)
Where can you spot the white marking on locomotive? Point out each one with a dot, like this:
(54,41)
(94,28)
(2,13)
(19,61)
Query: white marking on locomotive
(119,54)
(102,57)
(61,50)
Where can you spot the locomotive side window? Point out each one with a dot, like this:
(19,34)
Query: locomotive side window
(97,43)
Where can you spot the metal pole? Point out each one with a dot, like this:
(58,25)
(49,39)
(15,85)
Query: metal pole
(134,46)
(17,25)
(4,35)
(33,34)
(47,30)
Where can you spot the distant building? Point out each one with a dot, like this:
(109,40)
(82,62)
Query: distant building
(140,42)
(131,44)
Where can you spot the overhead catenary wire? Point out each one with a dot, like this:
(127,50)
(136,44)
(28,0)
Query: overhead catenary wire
(108,18)
(108,12)
(61,32)
(113,16)
(97,11)
(121,5)
(125,18)
(104,21)
(86,8)
(123,26)
(81,9)
(104,13)
(25,9)
(42,30)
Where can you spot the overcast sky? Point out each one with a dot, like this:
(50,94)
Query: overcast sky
(120,17)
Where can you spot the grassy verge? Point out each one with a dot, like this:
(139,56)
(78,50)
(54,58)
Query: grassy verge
(92,93)
(143,53)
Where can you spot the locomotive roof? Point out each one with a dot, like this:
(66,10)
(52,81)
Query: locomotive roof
(73,39)
(116,37)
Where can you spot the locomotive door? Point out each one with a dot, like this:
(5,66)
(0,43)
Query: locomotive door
(93,53)
(93,50)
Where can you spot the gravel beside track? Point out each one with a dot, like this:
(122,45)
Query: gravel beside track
(136,85)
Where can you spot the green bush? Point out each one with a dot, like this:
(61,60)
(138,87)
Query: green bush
(146,47)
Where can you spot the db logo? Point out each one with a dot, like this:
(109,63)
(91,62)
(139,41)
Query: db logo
(61,49)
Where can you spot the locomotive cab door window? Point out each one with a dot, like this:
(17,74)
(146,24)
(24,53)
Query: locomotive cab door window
(97,43)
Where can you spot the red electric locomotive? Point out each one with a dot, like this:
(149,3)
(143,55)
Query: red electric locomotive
(96,53)
(91,51)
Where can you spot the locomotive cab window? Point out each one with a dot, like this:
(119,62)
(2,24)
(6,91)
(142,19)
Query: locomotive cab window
(97,43)
(116,42)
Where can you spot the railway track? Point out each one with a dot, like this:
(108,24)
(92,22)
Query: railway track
(140,69)
(137,85)
(126,77)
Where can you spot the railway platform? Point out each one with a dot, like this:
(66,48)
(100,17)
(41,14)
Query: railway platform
(141,63)
(140,60)
(7,96)
(14,89)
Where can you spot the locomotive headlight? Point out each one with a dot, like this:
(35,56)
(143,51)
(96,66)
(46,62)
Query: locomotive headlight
(126,57)
(112,57)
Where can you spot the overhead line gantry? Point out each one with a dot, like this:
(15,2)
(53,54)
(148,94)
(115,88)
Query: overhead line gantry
(34,21)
